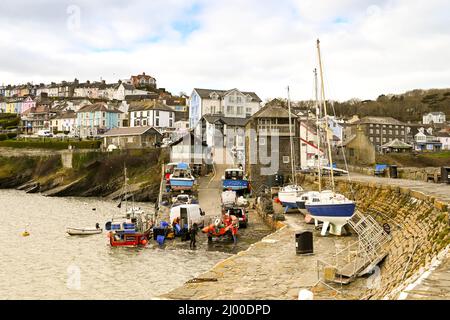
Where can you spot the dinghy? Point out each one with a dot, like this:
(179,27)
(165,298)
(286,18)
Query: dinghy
(84,231)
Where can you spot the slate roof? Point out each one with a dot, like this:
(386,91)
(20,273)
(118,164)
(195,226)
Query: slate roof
(379,120)
(205,93)
(143,105)
(230,121)
(129,131)
(396,144)
(98,107)
(271,111)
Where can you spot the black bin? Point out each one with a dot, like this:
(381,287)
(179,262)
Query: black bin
(445,175)
(393,172)
(304,242)
(158,232)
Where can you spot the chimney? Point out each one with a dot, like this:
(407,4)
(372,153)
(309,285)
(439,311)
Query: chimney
(143,73)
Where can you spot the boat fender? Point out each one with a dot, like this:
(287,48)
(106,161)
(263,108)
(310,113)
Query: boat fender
(25,234)
(108,226)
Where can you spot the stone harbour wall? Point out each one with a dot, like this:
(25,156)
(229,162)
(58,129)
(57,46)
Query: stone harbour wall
(411,173)
(419,225)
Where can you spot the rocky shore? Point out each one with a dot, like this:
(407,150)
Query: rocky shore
(87,174)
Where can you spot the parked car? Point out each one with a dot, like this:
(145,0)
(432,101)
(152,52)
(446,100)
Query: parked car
(45,133)
(240,213)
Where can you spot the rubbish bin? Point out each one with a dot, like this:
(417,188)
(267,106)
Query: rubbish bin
(445,175)
(304,242)
(158,232)
(393,172)
(279,180)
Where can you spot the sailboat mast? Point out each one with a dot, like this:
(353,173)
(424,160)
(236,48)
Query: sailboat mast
(318,129)
(325,116)
(291,138)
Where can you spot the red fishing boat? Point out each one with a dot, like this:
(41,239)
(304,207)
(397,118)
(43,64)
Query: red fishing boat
(133,229)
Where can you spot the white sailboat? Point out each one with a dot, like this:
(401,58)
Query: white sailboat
(332,208)
(288,194)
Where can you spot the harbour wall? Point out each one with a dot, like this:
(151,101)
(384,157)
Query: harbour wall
(431,174)
(418,219)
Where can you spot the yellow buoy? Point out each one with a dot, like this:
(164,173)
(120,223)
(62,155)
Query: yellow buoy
(25,234)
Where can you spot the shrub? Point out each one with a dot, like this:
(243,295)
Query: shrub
(50,144)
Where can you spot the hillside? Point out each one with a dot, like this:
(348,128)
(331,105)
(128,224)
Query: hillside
(410,106)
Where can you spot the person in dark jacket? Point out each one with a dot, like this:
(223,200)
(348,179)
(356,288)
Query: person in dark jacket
(193,234)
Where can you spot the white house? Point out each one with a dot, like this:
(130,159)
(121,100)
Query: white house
(64,122)
(151,113)
(124,89)
(226,103)
(444,138)
(434,117)
(309,144)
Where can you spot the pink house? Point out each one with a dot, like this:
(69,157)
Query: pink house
(27,104)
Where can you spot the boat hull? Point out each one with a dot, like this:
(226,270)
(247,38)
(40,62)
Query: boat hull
(83,232)
(128,240)
(334,215)
(235,185)
(181,184)
(288,199)
(341,210)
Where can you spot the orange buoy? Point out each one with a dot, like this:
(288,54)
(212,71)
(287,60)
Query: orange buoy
(144,242)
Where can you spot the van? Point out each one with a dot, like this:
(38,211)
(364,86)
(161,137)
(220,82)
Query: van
(188,214)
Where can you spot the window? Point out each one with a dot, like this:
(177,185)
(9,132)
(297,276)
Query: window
(104,123)
(130,139)
(377,131)
(285,159)
(144,122)
(231,99)
(157,122)
(390,131)
(378,139)
(384,131)
(262,141)
(170,114)
(351,152)
(170,123)
(238,99)
(371,131)
(230,109)
(157,113)
(240,110)
(371,139)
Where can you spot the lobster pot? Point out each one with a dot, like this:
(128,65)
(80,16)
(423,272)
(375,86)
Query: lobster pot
(304,242)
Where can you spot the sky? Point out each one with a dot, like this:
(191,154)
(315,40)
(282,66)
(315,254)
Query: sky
(368,47)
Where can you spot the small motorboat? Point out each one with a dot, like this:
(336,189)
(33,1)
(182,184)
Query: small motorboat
(288,196)
(84,231)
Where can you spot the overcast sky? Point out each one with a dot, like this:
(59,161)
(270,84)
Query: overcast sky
(368,47)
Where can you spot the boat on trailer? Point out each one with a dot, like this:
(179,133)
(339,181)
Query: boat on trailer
(234,180)
(181,179)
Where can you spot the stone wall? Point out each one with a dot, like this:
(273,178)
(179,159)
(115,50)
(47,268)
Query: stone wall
(419,227)
(431,174)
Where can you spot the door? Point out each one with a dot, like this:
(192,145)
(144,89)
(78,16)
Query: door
(183,217)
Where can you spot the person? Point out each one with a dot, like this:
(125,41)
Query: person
(97,226)
(193,231)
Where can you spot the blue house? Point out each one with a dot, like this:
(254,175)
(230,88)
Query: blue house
(96,119)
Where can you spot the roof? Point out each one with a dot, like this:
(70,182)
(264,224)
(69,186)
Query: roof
(148,105)
(443,134)
(378,120)
(435,113)
(129,131)
(100,106)
(66,115)
(135,97)
(273,111)
(205,93)
(230,121)
(396,144)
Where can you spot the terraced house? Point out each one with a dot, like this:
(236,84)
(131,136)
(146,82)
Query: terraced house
(151,113)
(95,119)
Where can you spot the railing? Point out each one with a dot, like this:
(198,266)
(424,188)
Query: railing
(275,129)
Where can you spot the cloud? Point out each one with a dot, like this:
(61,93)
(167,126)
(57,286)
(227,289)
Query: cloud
(369,47)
